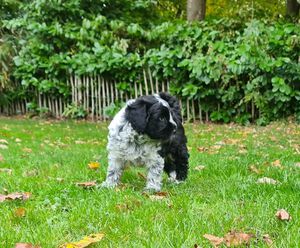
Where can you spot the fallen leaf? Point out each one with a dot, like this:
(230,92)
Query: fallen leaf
(86,184)
(94,165)
(162,193)
(26,245)
(267,239)
(17,140)
(283,215)
(276,163)
(254,169)
(202,149)
(199,167)
(6,170)
(237,238)
(3,146)
(158,196)
(1,158)
(3,141)
(20,212)
(214,240)
(15,196)
(266,180)
(28,150)
(85,242)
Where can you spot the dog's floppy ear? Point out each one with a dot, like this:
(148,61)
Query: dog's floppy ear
(137,114)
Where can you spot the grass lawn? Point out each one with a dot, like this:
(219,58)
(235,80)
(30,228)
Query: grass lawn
(47,158)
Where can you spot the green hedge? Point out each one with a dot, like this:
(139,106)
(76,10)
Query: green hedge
(227,65)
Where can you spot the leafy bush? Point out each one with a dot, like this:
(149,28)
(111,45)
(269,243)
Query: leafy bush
(229,66)
(74,111)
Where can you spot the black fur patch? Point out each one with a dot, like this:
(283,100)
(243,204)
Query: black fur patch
(149,116)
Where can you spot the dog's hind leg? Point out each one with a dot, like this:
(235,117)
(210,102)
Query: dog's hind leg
(114,172)
(181,162)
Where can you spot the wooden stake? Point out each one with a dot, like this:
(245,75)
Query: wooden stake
(151,81)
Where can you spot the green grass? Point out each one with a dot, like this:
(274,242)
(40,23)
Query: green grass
(222,197)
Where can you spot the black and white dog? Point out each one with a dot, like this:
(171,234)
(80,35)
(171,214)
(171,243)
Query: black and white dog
(148,131)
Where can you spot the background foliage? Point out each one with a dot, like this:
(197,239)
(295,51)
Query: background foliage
(226,63)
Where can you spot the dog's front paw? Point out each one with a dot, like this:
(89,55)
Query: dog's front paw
(174,180)
(152,189)
(108,184)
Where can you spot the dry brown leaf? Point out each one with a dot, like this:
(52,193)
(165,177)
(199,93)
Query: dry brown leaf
(26,245)
(214,240)
(94,165)
(85,242)
(15,196)
(202,149)
(266,180)
(158,196)
(20,212)
(254,169)
(6,170)
(276,163)
(86,184)
(199,167)
(283,215)
(267,239)
(237,238)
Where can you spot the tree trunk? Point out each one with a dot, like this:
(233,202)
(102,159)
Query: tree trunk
(292,7)
(196,10)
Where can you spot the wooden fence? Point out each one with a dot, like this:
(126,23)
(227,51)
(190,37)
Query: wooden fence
(95,94)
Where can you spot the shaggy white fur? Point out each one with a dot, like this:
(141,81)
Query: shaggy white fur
(126,145)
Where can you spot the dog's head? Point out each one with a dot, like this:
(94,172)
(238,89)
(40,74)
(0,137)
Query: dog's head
(151,115)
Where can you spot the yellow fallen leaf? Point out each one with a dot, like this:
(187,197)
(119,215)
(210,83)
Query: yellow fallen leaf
(94,165)
(85,242)
(20,212)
